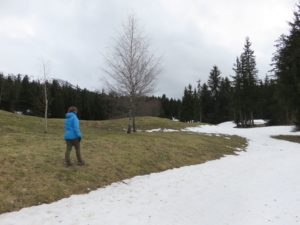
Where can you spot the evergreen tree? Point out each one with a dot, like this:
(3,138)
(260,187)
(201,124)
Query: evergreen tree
(25,96)
(56,100)
(38,105)
(206,104)
(250,81)
(198,106)
(237,93)
(245,86)
(86,104)
(165,107)
(187,110)
(214,82)
(267,105)
(175,108)
(287,70)
(225,100)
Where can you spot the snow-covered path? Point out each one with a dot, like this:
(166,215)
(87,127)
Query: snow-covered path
(259,186)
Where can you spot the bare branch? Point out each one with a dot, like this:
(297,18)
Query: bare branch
(131,68)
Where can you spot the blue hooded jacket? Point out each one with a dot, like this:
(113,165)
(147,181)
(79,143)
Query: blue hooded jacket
(72,128)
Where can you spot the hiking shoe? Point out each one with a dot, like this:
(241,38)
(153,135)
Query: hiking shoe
(67,164)
(81,163)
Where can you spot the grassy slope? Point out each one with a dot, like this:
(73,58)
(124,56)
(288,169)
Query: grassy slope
(288,138)
(32,170)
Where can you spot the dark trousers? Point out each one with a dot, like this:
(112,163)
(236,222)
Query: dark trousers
(70,144)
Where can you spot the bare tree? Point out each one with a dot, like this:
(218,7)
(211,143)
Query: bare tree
(45,72)
(132,68)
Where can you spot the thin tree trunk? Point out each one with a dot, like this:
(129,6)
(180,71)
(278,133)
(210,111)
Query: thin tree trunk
(46,108)
(200,117)
(133,116)
(241,119)
(46,99)
(133,124)
(245,119)
(234,117)
(287,116)
(130,119)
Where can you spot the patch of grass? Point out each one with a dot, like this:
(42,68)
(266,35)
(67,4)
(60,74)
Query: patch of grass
(32,170)
(143,123)
(288,138)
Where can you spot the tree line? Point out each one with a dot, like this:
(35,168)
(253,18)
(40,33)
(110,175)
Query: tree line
(243,97)
(222,99)
(240,98)
(19,93)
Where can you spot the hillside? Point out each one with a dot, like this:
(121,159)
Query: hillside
(32,169)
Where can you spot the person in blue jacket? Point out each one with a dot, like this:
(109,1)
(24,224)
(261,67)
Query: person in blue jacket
(72,135)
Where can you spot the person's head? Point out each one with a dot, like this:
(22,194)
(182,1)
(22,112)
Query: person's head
(73,109)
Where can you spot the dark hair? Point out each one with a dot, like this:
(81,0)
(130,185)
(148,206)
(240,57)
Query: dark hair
(72,109)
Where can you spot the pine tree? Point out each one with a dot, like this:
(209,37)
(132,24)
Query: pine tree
(56,100)
(25,96)
(38,105)
(214,82)
(250,80)
(165,107)
(267,105)
(198,106)
(237,93)
(225,100)
(245,86)
(287,70)
(206,104)
(187,109)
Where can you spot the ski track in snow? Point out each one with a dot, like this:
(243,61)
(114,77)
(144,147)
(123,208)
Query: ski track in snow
(258,186)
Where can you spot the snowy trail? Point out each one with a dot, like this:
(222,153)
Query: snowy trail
(259,186)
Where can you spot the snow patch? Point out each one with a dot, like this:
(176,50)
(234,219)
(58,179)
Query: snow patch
(161,130)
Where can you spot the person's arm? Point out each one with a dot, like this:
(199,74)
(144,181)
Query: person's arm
(77,127)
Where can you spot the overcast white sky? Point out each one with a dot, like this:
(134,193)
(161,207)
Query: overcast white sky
(191,35)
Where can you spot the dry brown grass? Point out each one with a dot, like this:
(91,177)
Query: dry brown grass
(288,138)
(32,170)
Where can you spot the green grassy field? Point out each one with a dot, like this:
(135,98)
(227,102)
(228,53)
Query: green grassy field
(32,170)
(288,138)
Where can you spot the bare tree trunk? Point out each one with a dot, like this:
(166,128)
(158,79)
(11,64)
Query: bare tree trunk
(287,114)
(234,116)
(130,119)
(46,99)
(46,111)
(241,119)
(245,119)
(134,106)
(133,124)
(200,117)
(133,120)
(129,122)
